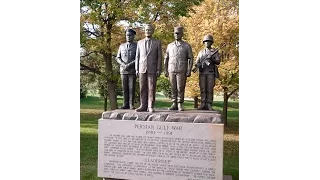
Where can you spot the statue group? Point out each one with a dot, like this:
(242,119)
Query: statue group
(144,60)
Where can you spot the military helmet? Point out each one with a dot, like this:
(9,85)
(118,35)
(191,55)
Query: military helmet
(207,37)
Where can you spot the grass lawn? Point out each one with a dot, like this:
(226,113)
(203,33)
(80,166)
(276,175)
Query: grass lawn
(91,109)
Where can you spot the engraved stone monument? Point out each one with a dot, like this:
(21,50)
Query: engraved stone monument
(162,145)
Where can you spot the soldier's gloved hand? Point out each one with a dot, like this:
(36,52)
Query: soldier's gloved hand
(166,73)
(158,73)
(198,65)
(122,65)
(188,74)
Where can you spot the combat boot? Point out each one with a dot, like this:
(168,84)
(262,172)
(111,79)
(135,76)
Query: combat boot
(180,107)
(173,106)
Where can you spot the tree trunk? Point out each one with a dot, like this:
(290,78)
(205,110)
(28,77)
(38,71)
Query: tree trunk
(225,106)
(111,84)
(105,103)
(226,96)
(195,102)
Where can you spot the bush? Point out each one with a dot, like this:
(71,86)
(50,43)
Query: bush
(163,85)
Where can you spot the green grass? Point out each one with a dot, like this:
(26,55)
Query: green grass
(91,109)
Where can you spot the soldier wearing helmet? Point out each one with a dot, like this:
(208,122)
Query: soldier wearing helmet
(207,63)
(177,65)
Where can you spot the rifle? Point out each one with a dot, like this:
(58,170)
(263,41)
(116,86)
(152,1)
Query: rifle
(206,61)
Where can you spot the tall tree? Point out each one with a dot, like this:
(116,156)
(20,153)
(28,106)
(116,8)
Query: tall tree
(101,30)
(221,19)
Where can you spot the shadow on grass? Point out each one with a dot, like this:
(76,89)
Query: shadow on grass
(88,156)
(89,120)
(89,125)
(91,99)
(219,104)
(84,116)
(231,159)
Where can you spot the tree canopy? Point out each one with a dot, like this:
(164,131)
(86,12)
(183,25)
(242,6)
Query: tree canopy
(102,24)
(221,19)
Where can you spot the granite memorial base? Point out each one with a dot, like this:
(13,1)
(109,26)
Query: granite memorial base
(164,145)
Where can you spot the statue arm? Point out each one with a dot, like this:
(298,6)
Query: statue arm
(216,58)
(137,59)
(159,65)
(190,58)
(197,63)
(119,60)
(166,59)
(132,63)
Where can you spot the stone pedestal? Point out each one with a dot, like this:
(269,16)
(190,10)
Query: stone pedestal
(190,116)
(162,145)
(225,177)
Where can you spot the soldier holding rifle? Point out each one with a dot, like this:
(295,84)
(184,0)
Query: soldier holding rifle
(207,61)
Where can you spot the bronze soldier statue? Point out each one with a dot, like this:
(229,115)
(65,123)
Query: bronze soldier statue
(148,68)
(207,62)
(126,58)
(177,65)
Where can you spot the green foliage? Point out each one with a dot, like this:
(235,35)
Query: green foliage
(235,96)
(103,92)
(163,85)
(220,19)
(83,91)
(101,30)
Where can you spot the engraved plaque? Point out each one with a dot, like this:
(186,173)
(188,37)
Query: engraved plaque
(152,150)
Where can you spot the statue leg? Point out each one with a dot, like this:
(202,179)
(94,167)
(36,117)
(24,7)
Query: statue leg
(210,83)
(132,87)
(152,82)
(203,87)
(143,82)
(173,84)
(181,79)
(125,91)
